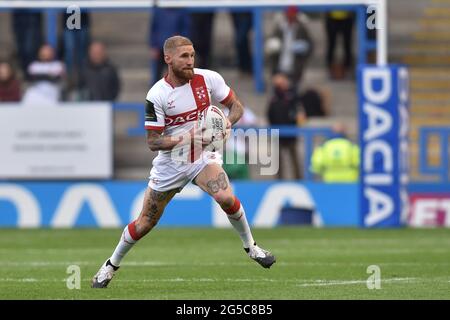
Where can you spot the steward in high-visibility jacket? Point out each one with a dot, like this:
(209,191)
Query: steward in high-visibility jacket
(337,160)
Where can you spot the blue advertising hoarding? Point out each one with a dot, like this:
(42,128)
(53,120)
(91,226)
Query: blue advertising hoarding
(115,203)
(383,95)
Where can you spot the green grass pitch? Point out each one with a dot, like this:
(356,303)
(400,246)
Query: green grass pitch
(206,263)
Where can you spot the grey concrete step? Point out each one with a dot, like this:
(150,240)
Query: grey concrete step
(132,151)
(131,56)
(135,84)
(121,27)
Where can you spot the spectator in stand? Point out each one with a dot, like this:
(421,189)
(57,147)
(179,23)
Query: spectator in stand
(75,46)
(166,22)
(9,85)
(242,22)
(337,160)
(339,23)
(100,80)
(27,26)
(46,78)
(285,109)
(315,102)
(201,36)
(290,46)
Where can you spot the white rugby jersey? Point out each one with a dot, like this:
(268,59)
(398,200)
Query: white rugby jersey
(174,110)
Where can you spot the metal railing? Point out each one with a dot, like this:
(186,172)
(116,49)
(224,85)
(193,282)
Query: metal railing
(307,135)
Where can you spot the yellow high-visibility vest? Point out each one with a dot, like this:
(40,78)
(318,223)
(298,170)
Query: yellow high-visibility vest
(337,160)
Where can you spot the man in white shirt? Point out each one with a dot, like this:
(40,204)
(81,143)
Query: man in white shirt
(172,107)
(46,75)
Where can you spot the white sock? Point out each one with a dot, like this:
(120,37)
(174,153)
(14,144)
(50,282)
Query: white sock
(125,244)
(238,220)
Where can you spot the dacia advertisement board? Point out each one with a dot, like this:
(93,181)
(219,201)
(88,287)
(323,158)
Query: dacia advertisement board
(116,203)
(383,116)
(268,204)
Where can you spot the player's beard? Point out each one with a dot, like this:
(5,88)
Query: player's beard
(185,74)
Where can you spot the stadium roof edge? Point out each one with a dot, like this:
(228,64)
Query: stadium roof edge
(174,3)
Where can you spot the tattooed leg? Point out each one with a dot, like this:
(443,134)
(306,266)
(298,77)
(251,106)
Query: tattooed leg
(153,208)
(220,183)
(214,181)
(159,196)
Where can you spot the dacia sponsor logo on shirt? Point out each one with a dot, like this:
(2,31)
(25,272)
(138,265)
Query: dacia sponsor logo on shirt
(181,118)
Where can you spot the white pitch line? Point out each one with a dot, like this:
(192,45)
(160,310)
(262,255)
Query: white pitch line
(298,282)
(42,263)
(318,283)
(155,280)
(24,280)
(56,250)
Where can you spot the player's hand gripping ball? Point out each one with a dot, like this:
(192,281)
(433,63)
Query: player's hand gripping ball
(213,124)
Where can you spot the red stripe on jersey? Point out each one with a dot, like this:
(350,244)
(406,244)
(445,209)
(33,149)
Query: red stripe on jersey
(200,91)
(228,98)
(196,149)
(157,128)
(201,96)
(192,153)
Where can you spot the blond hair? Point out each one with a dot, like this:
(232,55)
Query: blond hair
(174,42)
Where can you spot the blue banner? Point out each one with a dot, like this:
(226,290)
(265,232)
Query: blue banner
(115,203)
(383,115)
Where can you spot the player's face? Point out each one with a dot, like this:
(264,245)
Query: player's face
(182,62)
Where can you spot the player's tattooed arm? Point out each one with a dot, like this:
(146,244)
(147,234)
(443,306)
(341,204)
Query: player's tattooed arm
(236,109)
(156,141)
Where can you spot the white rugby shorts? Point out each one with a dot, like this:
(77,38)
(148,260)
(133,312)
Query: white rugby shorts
(168,174)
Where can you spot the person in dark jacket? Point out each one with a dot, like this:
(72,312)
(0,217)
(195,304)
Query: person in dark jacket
(74,46)
(284,109)
(315,102)
(339,23)
(242,23)
(9,85)
(27,25)
(202,24)
(100,80)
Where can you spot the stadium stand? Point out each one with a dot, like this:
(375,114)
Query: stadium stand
(427,53)
(412,34)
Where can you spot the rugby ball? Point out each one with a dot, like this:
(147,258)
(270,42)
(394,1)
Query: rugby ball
(213,123)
